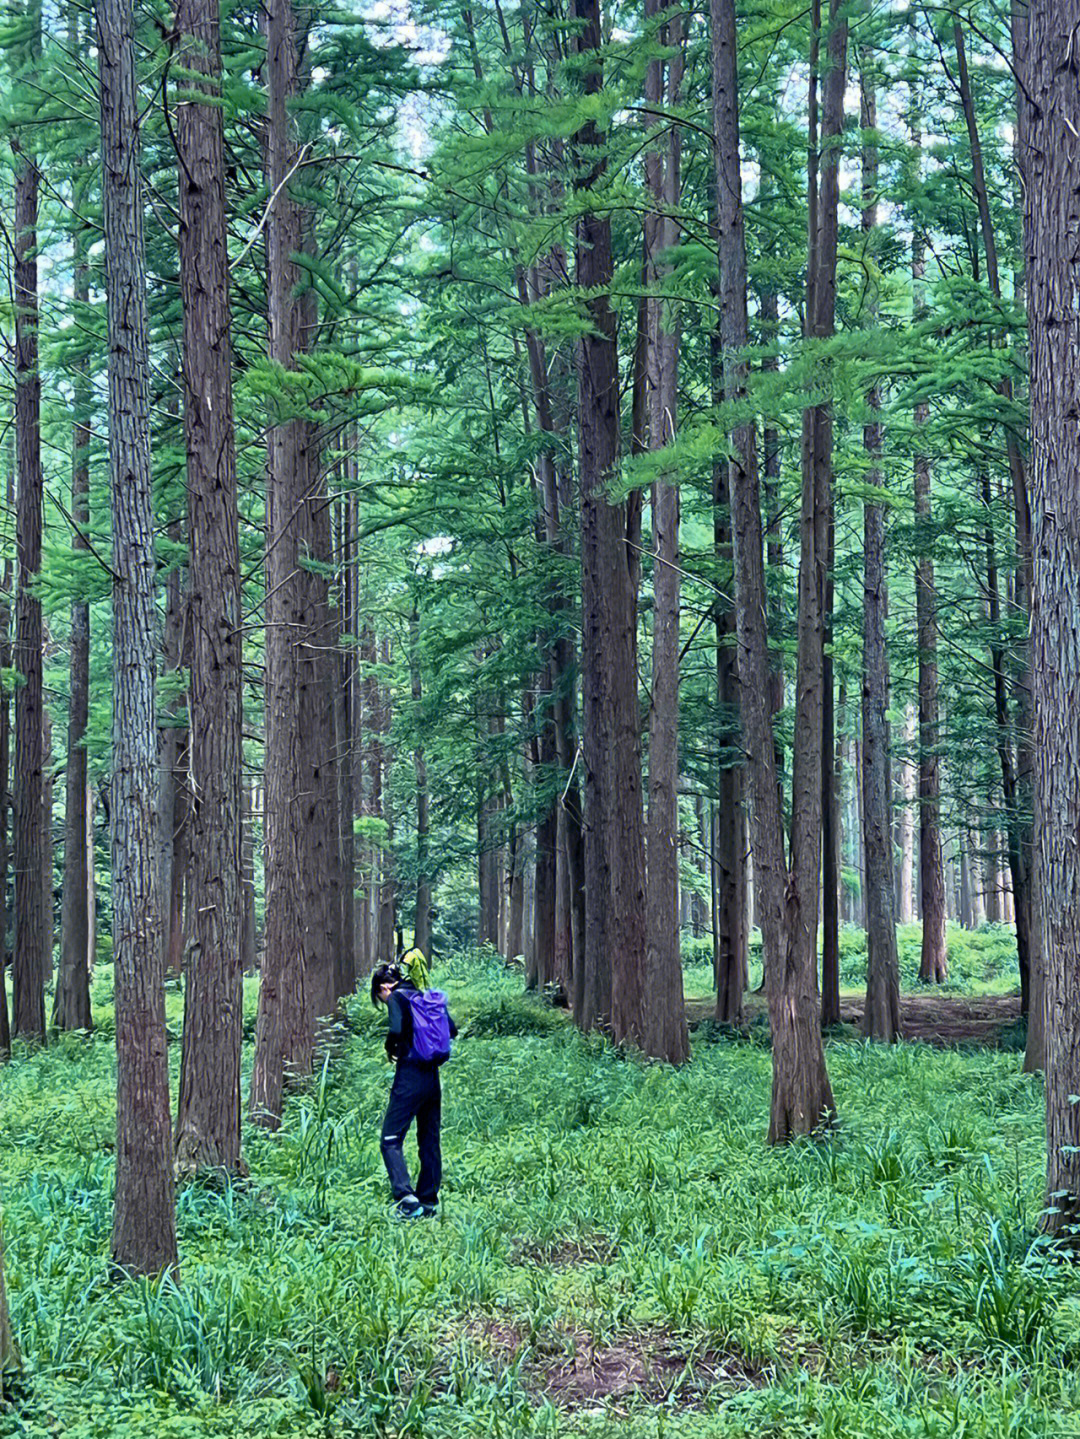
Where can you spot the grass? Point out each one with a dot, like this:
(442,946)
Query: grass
(981,962)
(619,1253)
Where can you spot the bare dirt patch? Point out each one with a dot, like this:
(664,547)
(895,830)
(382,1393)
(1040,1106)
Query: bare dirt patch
(566,1253)
(942,1020)
(571,1369)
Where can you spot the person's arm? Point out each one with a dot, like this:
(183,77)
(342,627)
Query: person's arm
(453,1026)
(396,1037)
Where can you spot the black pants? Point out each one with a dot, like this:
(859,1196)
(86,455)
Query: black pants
(415,1094)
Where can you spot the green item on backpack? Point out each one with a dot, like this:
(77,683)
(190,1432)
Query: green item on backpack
(415,966)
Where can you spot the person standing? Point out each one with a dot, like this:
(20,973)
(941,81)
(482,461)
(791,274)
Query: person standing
(418,1039)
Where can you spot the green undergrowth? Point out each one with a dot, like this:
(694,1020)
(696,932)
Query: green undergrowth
(981,961)
(599,1213)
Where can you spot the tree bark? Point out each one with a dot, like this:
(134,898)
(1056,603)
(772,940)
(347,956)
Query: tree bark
(786,902)
(614,940)
(731,926)
(144,1224)
(5,755)
(1016,773)
(28,976)
(365,776)
(881,1017)
(906,836)
(386,899)
(71,1005)
(318,839)
(1035,1054)
(283,1036)
(933,964)
(1051,168)
(249,956)
(208,1110)
(663,1033)
(422,923)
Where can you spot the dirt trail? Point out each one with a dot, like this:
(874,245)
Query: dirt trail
(939,1019)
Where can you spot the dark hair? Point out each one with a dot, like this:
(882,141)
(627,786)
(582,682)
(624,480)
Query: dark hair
(384,974)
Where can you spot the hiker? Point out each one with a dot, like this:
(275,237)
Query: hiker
(418,1038)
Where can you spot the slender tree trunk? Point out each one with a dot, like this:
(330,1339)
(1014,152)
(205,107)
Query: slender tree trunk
(786,902)
(934,964)
(1016,773)
(48,857)
(1035,1055)
(144,1224)
(881,1018)
(208,1112)
(967,888)
(541,967)
(614,938)
(830,807)
(28,1017)
(5,758)
(386,919)
(1051,168)
(283,1037)
(364,777)
(71,1006)
(515,900)
(249,947)
(906,844)
(317,812)
(422,925)
(663,1032)
(730,928)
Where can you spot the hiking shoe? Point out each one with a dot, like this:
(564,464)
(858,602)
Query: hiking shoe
(408,1208)
(429,1211)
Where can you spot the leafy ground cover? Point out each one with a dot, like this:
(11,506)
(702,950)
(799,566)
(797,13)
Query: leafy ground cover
(618,1251)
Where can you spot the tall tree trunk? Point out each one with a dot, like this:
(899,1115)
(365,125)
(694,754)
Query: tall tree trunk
(28,1009)
(614,938)
(386,913)
(71,1005)
(318,841)
(144,1223)
(173,745)
(422,924)
(786,902)
(542,966)
(1035,1054)
(364,705)
(1051,168)
(1016,774)
(48,857)
(5,755)
(906,837)
(881,1017)
(345,680)
(663,1033)
(933,964)
(249,957)
(208,1110)
(283,1037)
(830,804)
(730,927)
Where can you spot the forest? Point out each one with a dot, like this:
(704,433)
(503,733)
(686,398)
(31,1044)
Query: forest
(582,498)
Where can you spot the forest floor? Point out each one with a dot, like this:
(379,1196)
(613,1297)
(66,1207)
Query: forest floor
(619,1255)
(985,1021)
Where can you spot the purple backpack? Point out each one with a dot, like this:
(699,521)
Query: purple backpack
(431,1026)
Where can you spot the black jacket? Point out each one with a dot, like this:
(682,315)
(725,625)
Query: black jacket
(400,1033)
